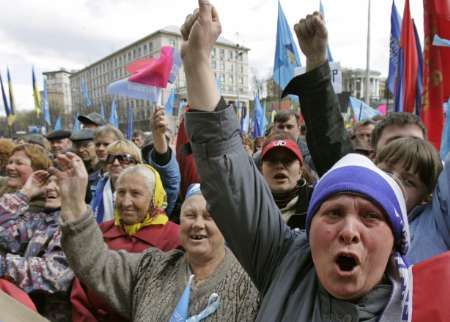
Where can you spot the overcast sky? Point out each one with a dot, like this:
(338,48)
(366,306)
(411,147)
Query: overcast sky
(74,33)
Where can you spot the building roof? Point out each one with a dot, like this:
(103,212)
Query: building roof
(171,30)
(62,70)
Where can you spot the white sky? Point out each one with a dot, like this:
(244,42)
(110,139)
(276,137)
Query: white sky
(72,34)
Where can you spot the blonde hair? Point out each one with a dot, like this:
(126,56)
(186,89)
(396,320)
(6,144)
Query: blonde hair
(6,146)
(37,154)
(125,146)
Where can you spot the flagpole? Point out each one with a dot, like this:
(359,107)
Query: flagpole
(367,92)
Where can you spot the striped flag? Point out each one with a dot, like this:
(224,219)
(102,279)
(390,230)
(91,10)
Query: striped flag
(45,106)
(12,105)
(37,102)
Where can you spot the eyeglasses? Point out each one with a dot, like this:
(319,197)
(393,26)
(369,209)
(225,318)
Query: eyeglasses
(124,159)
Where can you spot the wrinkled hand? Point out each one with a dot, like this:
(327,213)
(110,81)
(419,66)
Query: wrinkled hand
(312,37)
(159,127)
(35,184)
(159,124)
(72,180)
(200,32)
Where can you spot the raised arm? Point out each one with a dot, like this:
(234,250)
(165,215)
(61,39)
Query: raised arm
(162,158)
(325,131)
(237,195)
(109,273)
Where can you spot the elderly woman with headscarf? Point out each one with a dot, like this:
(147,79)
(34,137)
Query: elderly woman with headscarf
(348,265)
(204,282)
(139,223)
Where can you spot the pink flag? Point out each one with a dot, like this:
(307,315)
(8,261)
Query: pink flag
(382,109)
(149,76)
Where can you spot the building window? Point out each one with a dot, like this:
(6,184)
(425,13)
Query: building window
(129,56)
(213,64)
(145,49)
(230,55)
(150,48)
(139,52)
(213,53)
(222,54)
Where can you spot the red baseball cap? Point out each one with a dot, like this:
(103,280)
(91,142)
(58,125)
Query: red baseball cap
(287,144)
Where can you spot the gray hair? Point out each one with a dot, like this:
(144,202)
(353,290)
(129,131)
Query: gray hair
(144,172)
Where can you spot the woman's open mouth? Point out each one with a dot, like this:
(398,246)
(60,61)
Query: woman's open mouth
(347,262)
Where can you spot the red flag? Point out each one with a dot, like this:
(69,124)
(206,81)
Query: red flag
(436,88)
(410,61)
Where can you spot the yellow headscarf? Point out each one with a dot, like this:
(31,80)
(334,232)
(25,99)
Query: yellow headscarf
(156,215)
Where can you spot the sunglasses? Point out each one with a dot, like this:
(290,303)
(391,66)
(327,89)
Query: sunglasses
(124,159)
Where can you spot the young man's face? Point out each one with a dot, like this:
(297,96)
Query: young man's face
(364,133)
(393,132)
(290,126)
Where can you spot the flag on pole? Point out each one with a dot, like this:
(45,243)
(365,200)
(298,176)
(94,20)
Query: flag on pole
(76,124)
(170,103)
(113,118)
(102,109)
(5,99)
(37,101)
(45,106)
(130,123)
(286,54)
(436,78)
(58,124)
(149,76)
(85,93)
(445,143)
(12,104)
(245,119)
(419,86)
(361,110)
(394,48)
(259,119)
(322,12)
(410,63)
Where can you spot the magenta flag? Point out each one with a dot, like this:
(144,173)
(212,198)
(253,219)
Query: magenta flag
(382,109)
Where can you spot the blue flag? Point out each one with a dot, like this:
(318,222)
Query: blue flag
(113,119)
(169,104)
(130,123)
(361,110)
(259,119)
(181,312)
(102,109)
(76,124)
(85,93)
(245,119)
(440,42)
(445,142)
(286,54)
(419,72)
(45,106)
(58,125)
(5,99)
(394,51)
(398,93)
(322,12)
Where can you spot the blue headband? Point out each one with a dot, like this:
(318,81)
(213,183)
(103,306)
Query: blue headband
(192,190)
(355,173)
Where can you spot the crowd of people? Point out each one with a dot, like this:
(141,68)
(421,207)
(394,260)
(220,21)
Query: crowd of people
(325,224)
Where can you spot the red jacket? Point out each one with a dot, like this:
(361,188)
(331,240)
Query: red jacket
(186,162)
(87,307)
